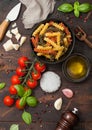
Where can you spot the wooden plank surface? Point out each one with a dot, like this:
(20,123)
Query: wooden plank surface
(45,117)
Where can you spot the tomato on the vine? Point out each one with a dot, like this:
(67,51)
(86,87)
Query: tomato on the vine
(8,101)
(40,67)
(32,83)
(15,79)
(17,104)
(22,61)
(36,75)
(12,90)
(20,72)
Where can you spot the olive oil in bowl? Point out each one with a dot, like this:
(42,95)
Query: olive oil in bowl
(76,68)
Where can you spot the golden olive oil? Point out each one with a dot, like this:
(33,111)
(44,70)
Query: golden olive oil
(76,67)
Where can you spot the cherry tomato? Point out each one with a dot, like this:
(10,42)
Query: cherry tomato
(17,104)
(8,101)
(40,67)
(32,83)
(12,90)
(19,71)
(22,61)
(36,75)
(15,79)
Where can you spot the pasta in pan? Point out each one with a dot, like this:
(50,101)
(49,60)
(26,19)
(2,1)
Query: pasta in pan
(51,40)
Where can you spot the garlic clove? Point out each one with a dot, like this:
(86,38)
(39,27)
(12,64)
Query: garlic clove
(68,92)
(58,103)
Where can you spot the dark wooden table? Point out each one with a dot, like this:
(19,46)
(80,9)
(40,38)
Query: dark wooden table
(45,117)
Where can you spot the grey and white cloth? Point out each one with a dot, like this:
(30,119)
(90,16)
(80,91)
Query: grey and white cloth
(36,11)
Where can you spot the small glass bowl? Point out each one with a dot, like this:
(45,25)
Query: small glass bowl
(76,68)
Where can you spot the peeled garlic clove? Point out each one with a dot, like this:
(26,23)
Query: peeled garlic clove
(58,104)
(68,92)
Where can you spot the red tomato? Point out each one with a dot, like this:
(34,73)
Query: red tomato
(36,75)
(22,61)
(19,71)
(8,101)
(17,104)
(12,90)
(32,83)
(15,79)
(40,67)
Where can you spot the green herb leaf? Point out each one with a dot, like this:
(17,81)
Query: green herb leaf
(32,101)
(76,5)
(76,13)
(2,85)
(20,90)
(14,127)
(27,93)
(27,117)
(66,8)
(85,7)
(23,101)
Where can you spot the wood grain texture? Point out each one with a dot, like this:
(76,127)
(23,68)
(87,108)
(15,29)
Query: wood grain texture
(45,117)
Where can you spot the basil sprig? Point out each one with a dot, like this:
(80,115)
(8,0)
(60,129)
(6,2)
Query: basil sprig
(76,8)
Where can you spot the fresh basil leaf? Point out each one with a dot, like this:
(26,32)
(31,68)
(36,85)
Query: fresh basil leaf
(85,7)
(76,5)
(27,93)
(76,13)
(2,85)
(32,101)
(66,8)
(14,127)
(23,101)
(27,118)
(20,90)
